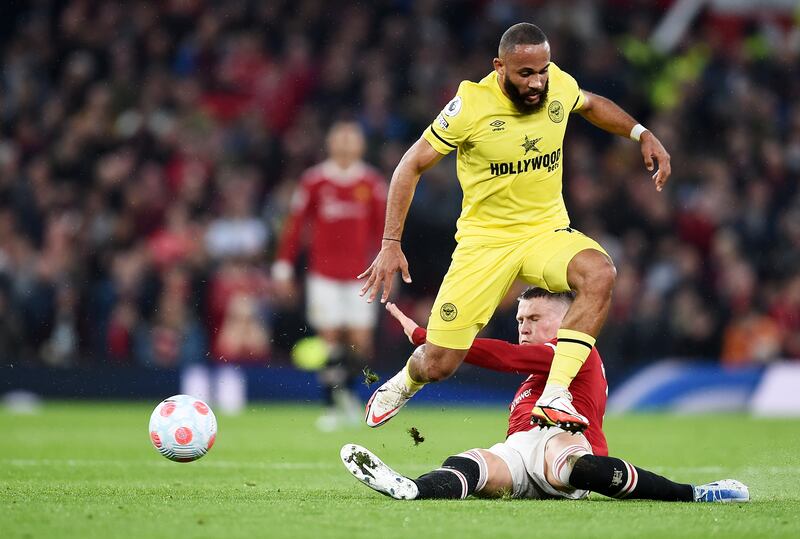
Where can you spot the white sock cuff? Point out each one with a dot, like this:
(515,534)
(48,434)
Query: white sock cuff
(561,466)
(630,484)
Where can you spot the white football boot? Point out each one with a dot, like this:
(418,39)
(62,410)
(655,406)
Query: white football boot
(371,471)
(387,400)
(554,409)
(722,491)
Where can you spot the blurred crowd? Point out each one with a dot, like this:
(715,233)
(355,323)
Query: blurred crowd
(148,151)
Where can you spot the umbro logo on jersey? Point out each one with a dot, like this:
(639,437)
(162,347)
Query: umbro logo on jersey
(498,125)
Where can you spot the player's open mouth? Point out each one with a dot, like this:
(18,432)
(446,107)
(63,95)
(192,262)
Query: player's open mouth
(533,98)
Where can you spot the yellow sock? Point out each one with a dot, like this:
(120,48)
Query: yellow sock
(572,349)
(412,384)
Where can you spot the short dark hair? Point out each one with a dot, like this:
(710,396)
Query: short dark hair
(535,292)
(522,33)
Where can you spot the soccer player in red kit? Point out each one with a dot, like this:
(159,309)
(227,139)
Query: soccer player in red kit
(336,213)
(535,462)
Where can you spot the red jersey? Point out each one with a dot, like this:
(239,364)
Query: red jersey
(343,212)
(589,388)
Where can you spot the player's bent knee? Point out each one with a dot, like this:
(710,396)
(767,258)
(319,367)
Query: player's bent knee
(561,454)
(498,481)
(436,372)
(606,274)
(595,275)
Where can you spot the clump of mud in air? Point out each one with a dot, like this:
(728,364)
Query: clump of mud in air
(416,436)
(369,376)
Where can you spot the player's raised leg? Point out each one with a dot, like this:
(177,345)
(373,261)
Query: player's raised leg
(428,363)
(591,274)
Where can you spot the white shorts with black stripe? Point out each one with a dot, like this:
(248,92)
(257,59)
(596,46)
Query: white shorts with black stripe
(523,453)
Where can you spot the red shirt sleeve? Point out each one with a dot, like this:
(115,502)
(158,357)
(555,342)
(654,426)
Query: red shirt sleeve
(502,356)
(302,207)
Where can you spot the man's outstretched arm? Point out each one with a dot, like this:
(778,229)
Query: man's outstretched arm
(492,354)
(419,158)
(608,116)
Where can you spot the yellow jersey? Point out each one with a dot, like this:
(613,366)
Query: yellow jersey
(509,164)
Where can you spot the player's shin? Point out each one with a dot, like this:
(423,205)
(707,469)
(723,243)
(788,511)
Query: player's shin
(459,477)
(616,478)
(572,349)
(413,385)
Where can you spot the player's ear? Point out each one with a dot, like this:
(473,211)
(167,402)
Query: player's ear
(499,67)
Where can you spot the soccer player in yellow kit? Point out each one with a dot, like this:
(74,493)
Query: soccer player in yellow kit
(508,130)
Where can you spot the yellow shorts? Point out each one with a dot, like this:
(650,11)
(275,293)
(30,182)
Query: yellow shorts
(480,274)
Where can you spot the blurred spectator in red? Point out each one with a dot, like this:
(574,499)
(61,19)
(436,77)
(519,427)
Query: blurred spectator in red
(237,232)
(243,335)
(178,241)
(239,306)
(786,312)
(120,332)
(117,303)
(172,337)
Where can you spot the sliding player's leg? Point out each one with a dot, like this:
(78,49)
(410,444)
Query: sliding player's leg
(472,472)
(569,466)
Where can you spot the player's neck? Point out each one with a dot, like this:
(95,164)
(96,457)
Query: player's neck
(343,171)
(501,86)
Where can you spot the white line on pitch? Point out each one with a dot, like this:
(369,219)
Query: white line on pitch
(160,463)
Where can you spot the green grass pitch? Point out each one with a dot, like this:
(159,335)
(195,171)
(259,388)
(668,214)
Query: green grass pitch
(88,470)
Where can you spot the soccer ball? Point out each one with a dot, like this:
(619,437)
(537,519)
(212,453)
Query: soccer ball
(183,428)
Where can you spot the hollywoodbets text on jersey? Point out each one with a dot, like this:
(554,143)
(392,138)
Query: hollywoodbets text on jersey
(550,161)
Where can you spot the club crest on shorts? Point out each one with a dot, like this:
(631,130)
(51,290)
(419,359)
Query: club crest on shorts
(448,312)
(556,111)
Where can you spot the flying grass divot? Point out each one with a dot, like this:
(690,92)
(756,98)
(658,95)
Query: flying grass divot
(369,376)
(416,436)
(363,461)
